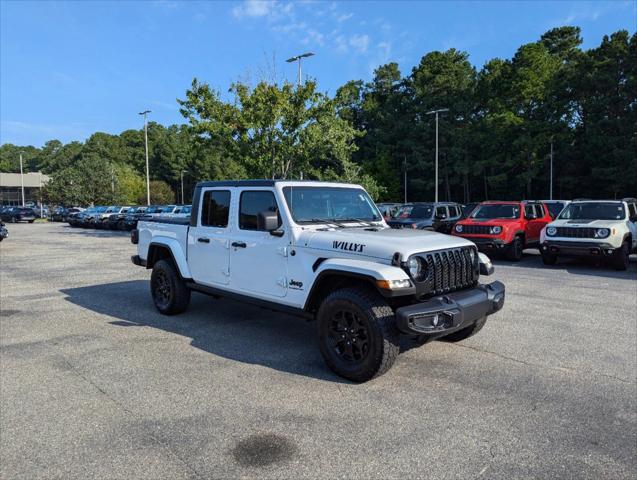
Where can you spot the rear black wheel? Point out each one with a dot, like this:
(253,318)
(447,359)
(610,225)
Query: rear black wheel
(169,291)
(357,333)
(621,257)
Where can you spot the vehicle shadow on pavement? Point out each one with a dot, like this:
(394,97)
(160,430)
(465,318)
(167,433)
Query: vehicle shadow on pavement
(222,327)
(92,232)
(577,266)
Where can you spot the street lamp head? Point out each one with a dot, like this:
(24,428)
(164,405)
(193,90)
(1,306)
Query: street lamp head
(440,110)
(144,112)
(298,57)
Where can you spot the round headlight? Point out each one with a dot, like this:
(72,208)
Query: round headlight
(414,266)
(602,233)
(550,231)
(495,230)
(459,228)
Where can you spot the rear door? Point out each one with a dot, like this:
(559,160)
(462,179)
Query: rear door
(208,241)
(258,259)
(536,220)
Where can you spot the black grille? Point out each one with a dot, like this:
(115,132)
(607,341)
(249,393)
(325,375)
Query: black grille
(449,270)
(476,229)
(575,232)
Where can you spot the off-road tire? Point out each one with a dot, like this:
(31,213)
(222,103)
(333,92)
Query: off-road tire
(549,259)
(170,293)
(466,332)
(31,221)
(514,250)
(621,258)
(373,327)
(121,226)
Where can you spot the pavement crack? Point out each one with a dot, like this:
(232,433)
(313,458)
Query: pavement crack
(537,365)
(129,412)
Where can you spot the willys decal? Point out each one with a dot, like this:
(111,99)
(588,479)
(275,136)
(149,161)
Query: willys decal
(350,247)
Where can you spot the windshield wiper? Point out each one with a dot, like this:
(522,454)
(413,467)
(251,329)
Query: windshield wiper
(367,223)
(327,220)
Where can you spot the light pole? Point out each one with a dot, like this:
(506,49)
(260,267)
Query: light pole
(551,181)
(145,114)
(440,110)
(182,186)
(21,179)
(298,58)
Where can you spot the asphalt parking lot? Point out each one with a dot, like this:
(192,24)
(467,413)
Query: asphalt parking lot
(96,384)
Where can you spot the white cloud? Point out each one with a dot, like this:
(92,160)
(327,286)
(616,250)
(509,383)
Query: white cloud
(313,37)
(360,43)
(254,8)
(344,17)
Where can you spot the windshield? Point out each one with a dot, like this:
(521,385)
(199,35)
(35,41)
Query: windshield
(324,204)
(555,208)
(593,211)
(152,210)
(415,211)
(492,211)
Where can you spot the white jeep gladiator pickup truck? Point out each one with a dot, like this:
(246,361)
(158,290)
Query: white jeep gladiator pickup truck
(322,251)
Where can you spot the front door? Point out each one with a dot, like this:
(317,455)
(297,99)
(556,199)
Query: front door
(258,259)
(209,241)
(537,220)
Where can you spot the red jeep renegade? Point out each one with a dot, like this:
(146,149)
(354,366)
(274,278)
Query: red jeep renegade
(505,227)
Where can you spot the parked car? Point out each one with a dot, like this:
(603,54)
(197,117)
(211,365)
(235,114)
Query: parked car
(4,233)
(18,214)
(327,256)
(440,217)
(134,214)
(388,210)
(555,206)
(593,228)
(505,227)
(111,217)
(77,219)
(180,211)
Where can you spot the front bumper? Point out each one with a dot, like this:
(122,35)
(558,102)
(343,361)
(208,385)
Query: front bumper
(487,244)
(448,313)
(577,249)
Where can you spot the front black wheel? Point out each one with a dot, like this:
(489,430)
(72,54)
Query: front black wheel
(549,259)
(621,258)
(170,293)
(357,334)
(514,250)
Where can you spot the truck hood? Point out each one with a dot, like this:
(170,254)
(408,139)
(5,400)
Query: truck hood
(381,242)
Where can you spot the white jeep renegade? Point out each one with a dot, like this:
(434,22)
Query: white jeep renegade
(593,228)
(324,252)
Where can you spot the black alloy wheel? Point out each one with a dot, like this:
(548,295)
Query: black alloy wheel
(348,335)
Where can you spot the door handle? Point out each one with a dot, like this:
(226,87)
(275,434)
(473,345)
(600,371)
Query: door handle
(203,240)
(239,244)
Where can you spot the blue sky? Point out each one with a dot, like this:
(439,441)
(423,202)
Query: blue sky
(68,69)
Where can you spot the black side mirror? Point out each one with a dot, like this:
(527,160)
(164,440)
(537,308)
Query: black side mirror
(267,221)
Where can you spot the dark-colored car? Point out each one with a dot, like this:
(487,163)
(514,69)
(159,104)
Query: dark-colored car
(440,217)
(4,233)
(116,221)
(18,214)
(131,218)
(389,210)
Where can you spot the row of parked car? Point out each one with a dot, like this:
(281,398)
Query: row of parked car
(593,228)
(116,217)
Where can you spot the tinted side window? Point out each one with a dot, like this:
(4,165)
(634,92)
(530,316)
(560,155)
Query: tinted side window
(539,209)
(215,208)
(251,204)
(441,212)
(632,210)
(454,211)
(529,211)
